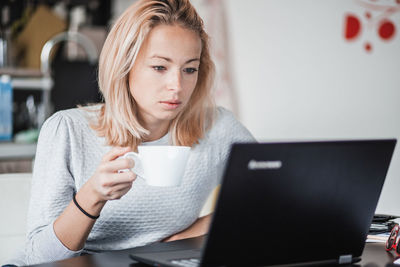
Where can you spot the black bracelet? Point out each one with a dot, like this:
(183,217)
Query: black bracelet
(83,211)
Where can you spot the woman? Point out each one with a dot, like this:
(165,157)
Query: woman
(155,73)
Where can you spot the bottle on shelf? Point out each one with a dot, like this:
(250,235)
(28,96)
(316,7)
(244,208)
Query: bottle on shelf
(6,105)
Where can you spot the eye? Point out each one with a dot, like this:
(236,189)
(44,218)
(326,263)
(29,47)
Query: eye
(158,68)
(190,70)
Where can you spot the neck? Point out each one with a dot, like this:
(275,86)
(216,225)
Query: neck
(157,129)
(156,133)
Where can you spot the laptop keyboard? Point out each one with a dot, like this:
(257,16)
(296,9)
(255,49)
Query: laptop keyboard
(186,262)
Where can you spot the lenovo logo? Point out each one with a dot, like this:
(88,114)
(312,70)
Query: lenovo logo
(264,165)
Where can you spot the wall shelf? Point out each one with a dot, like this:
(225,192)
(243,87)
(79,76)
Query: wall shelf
(43,83)
(11,150)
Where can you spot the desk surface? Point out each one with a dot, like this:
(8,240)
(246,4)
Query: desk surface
(374,255)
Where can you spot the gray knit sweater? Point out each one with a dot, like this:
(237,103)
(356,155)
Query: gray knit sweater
(69,152)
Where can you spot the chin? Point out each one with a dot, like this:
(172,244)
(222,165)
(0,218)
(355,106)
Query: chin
(170,115)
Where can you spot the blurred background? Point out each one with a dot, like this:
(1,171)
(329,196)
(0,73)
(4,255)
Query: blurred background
(289,70)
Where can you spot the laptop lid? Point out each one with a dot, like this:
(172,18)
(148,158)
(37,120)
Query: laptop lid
(286,203)
(291,203)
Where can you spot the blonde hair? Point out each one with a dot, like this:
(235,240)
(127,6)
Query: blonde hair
(117,119)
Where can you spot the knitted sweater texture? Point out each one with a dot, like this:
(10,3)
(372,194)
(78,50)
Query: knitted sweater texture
(69,152)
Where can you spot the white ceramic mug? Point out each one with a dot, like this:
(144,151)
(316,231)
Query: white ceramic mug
(160,165)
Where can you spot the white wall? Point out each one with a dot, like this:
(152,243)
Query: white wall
(297,77)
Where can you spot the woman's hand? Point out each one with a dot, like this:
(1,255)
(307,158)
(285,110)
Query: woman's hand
(198,228)
(72,227)
(107,183)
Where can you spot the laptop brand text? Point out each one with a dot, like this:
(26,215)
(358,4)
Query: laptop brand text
(264,165)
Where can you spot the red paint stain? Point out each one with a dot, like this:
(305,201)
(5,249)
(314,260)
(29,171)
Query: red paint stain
(368,47)
(386,30)
(352,27)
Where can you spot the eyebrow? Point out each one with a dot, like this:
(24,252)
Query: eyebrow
(170,60)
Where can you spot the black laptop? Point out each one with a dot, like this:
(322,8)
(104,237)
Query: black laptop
(289,204)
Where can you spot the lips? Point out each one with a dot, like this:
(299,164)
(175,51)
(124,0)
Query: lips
(171,104)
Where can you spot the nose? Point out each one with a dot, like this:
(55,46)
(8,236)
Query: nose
(175,80)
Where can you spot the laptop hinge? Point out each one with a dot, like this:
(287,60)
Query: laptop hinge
(345,259)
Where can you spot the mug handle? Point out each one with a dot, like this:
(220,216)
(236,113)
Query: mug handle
(138,169)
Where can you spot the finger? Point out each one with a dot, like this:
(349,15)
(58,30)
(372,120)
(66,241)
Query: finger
(118,164)
(116,152)
(123,191)
(121,187)
(118,191)
(120,178)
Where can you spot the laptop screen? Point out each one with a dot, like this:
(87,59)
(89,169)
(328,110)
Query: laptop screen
(283,203)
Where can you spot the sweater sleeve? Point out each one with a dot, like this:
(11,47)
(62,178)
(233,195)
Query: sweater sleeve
(51,191)
(226,131)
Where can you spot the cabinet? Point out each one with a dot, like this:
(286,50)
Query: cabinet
(38,83)
(27,81)
(41,81)
(16,157)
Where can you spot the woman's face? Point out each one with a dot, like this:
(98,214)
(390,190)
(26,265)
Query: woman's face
(165,73)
